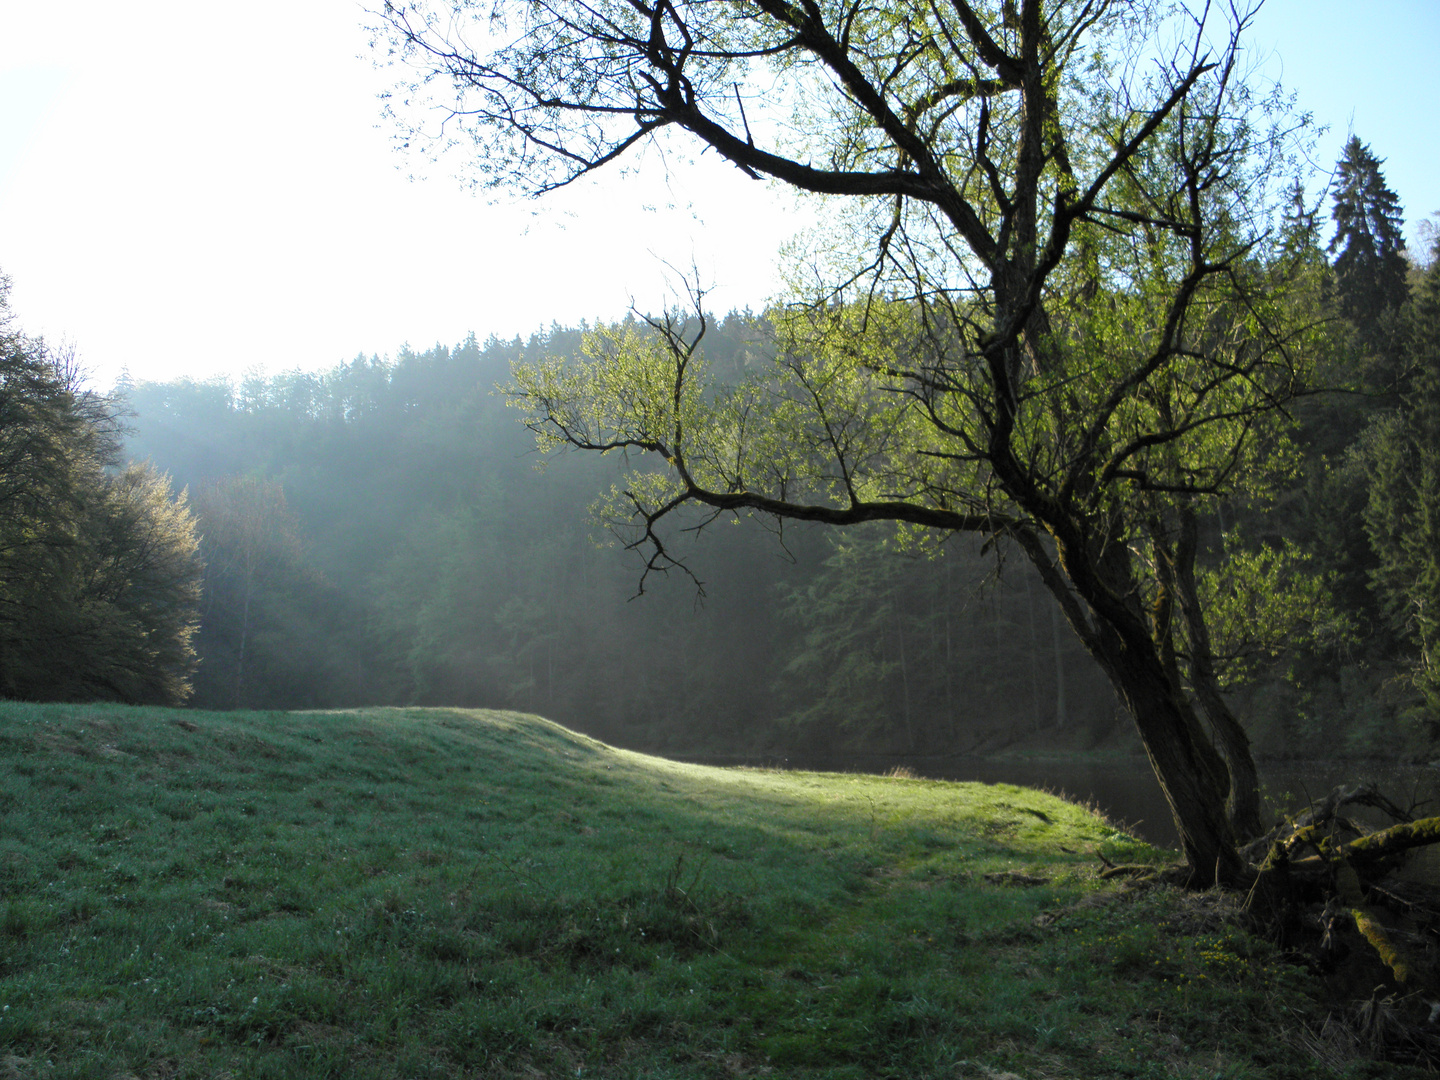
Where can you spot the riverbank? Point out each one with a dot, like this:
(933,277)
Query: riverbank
(446,893)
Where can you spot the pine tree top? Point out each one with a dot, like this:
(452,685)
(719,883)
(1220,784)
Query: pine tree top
(1370,267)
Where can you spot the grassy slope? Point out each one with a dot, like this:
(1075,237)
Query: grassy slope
(416,893)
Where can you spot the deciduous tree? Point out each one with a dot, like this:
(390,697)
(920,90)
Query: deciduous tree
(252,543)
(1050,300)
(99,575)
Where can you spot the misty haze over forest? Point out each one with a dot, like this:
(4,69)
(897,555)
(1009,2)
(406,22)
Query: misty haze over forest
(380,534)
(1088,447)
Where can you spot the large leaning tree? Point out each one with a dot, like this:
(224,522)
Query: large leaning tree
(1054,303)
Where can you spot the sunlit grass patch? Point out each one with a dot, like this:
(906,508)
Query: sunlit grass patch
(406,892)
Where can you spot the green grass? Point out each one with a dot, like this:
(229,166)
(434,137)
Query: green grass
(446,893)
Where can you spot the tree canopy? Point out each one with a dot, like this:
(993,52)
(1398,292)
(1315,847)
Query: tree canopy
(1055,307)
(99,576)
(1369,250)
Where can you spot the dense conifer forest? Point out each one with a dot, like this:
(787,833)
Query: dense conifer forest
(386,532)
(381,533)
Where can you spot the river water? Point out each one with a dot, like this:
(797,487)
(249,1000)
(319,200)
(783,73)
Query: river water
(1126,790)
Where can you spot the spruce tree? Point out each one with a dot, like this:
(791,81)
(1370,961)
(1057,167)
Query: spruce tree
(1403,516)
(1369,249)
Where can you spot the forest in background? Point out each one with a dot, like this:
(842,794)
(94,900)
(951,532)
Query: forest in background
(380,533)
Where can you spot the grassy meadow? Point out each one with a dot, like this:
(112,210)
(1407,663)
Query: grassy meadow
(417,893)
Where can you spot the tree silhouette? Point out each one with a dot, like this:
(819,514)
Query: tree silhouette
(1370,266)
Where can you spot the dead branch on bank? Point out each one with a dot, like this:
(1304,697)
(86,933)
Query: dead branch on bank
(1324,879)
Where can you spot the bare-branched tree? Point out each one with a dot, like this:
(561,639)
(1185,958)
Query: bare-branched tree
(1052,300)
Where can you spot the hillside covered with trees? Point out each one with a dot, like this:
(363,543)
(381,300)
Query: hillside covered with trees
(1087,422)
(1165,447)
(384,532)
(381,533)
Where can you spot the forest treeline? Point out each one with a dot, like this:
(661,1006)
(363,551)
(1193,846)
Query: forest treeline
(380,533)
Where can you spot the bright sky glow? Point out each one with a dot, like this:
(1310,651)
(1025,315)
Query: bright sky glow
(193,189)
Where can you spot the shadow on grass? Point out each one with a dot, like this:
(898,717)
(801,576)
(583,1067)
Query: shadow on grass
(409,892)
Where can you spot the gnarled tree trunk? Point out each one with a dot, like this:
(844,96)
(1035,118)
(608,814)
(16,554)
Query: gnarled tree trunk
(1191,772)
(1244,798)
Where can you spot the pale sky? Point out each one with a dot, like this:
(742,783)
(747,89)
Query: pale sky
(194,188)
